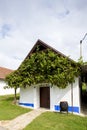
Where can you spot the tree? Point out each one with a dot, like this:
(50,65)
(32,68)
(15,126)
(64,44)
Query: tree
(12,81)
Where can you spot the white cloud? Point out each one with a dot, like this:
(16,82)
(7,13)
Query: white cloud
(61,24)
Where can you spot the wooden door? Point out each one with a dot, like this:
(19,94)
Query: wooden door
(45,97)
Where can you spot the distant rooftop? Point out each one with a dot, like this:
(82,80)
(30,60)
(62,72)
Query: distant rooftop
(4,72)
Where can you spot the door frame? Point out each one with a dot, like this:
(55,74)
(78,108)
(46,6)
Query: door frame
(48,96)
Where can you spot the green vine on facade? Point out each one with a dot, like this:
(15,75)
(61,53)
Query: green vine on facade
(45,67)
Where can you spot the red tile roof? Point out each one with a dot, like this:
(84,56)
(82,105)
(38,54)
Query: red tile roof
(4,72)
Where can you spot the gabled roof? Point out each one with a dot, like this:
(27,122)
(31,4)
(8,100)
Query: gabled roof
(4,72)
(44,46)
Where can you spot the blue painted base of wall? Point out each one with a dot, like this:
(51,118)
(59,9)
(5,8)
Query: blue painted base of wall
(27,104)
(70,108)
(56,107)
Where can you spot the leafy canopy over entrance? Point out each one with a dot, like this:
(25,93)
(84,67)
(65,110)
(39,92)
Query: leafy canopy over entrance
(44,67)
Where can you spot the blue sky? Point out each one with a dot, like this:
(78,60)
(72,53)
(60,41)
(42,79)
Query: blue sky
(59,23)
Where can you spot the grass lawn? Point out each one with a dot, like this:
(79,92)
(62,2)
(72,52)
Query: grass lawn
(57,121)
(8,110)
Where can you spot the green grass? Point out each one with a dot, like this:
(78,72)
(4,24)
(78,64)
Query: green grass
(8,110)
(57,121)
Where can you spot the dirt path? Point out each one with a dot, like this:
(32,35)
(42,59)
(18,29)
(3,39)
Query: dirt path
(1,128)
(21,121)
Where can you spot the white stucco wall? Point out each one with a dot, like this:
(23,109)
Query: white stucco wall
(76,93)
(58,95)
(30,96)
(6,91)
(27,96)
(36,97)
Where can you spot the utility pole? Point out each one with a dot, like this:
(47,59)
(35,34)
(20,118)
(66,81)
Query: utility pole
(81,45)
